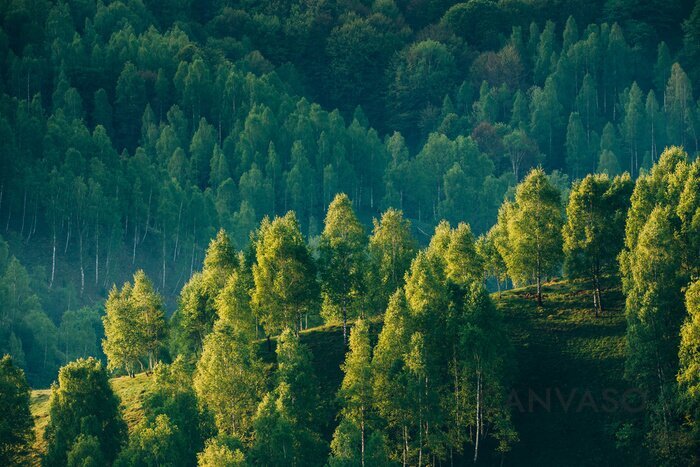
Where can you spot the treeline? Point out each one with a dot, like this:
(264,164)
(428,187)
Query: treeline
(131,132)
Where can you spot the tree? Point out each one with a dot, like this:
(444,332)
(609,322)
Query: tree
(655,269)
(576,147)
(356,389)
(689,356)
(121,344)
(521,151)
(86,452)
(593,233)
(342,259)
(608,163)
(546,117)
(129,104)
(678,103)
(83,403)
(229,379)
(534,230)
(632,124)
(221,452)
(286,418)
(391,249)
(17,428)
(545,49)
(201,150)
(390,377)
(148,305)
(285,275)
(80,333)
(134,324)
(197,312)
(421,76)
(151,444)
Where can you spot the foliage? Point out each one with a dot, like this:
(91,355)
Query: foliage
(593,233)
(83,403)
(16,429)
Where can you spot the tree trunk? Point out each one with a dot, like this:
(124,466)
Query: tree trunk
(478,417)
(136,238)
(405,446)
(24,213)
(362,434)
(345,324)
(97,251)
(80,255)
(53,257)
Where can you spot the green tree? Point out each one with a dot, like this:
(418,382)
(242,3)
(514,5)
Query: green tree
(421,77)
(17,427)
(534,231)
(576,147)
(83,403)
(229,379)
(494,265)
(86,452)
(286,418)
(129,104)
(678,102)
(594,230)
(356,393)
(390,376)
(150,312)
(546,117)
(151,444)
(284,274)
(632,125)
(342,260)
(121,344)
(391,249)
(134,324)
(689,356)
(221,452)
(655,269)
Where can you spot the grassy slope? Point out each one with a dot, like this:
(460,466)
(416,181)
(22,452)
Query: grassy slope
(560,346)
(563,346)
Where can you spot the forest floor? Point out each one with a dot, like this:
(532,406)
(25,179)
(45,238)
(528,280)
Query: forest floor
(568,387)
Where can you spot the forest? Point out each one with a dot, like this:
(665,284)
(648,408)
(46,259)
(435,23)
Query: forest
(315,228)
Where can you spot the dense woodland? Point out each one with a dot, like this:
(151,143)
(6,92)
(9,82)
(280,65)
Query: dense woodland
(186,186)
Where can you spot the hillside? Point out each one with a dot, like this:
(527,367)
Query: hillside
(561,346)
